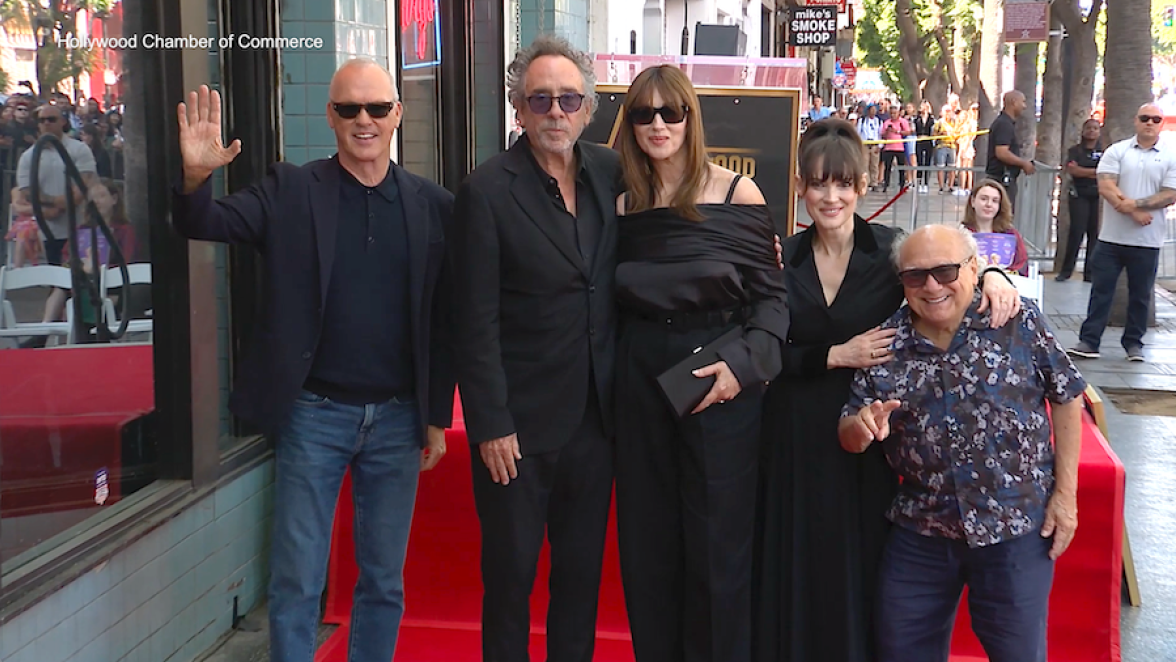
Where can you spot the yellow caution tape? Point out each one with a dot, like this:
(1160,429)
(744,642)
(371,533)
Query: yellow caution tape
(918,138)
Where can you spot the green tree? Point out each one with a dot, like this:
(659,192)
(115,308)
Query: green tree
(921,47)
(1163,36)
(54,22)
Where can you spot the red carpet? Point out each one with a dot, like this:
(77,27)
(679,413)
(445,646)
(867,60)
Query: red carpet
(443,589)
(63,415)
(442,575)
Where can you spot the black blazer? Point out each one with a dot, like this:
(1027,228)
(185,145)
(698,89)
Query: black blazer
(533,320)
(291,219)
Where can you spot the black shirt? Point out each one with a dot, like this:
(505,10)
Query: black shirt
(586,225)
(1002,132)
(365,353)
(924,127)
(1085,187)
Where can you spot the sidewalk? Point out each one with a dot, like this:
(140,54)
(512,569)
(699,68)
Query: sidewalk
(1065,305)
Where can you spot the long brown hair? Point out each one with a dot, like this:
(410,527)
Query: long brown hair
(641,180)
(1003,222)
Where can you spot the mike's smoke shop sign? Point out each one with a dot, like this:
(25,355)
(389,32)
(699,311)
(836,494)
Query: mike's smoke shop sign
(812,26)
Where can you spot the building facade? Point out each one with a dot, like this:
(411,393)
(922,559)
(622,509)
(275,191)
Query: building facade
(134,507)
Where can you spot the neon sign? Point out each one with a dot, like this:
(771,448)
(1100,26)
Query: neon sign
(415,19)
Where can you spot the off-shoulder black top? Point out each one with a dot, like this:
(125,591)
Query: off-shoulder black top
(669,264)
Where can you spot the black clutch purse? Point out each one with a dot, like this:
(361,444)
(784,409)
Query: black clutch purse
(683,391)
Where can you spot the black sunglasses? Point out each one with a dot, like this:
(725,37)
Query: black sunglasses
(569,102)
(47,120)
(669,114)
(350,111)
(943,274)
(1154,119)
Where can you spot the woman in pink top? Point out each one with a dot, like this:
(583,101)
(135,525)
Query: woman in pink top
(893,129)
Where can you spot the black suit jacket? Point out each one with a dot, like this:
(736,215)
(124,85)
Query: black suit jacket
(533,320)
(291,219)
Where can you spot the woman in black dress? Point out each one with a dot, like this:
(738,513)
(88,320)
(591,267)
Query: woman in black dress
(696,259)
(823,509)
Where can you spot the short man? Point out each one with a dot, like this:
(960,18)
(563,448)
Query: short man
(1137,180)
(870,129)
(53,185)
(819,111)
(350,359)
(535,252)
(1004,153)
(985,501)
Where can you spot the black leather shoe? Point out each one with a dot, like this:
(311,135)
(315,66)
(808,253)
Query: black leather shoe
(1061,278)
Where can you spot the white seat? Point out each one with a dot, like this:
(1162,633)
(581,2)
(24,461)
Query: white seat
(24,278)
(139,274)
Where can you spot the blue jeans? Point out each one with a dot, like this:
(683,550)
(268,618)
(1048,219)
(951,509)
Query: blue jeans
(1104,267)
(316,445)
(920,585)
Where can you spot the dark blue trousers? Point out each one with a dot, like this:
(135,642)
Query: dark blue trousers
(1104,267)
(920,586)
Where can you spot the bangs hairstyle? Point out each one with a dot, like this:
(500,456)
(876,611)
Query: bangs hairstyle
(641,180)
(832,150)
(1003,222)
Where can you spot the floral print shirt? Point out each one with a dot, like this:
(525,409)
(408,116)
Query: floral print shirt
(972,442)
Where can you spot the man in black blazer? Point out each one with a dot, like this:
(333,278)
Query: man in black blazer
(349,364)
(534,255)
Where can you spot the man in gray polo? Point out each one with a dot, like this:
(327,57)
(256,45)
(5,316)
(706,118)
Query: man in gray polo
(1136,180)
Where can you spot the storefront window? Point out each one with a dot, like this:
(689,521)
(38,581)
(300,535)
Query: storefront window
(77,374)
(420,80)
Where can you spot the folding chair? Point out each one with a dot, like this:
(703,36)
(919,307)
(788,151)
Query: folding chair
(28,277)
(140,274)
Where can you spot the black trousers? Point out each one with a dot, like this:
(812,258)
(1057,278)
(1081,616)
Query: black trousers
(686,491)
(1084,220)
(924,153)
(565,492)
(888,159)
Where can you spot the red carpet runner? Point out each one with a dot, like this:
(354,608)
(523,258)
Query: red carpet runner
(443,589)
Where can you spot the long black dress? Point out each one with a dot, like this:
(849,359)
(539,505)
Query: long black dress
(686,487)
(822,509)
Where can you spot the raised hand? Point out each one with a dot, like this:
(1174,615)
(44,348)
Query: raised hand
(201,147)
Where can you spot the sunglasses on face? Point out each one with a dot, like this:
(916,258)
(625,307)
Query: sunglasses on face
(1154,119)
(47,120)
(669,114)
(350,111)
(943,274)
(569,102)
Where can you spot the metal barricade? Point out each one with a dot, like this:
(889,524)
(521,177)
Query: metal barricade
(1168,250)
(1038,197)
(915,206)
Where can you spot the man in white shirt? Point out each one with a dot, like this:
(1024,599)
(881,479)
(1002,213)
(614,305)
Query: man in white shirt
(52,182)
(1136,180)
(870,128)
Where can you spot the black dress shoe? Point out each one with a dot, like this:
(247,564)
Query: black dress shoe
(1061,278)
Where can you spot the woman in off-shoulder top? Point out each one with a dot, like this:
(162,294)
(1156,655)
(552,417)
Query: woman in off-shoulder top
(695,259)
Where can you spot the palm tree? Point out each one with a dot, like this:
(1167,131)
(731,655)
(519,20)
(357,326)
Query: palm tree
(1129,56)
